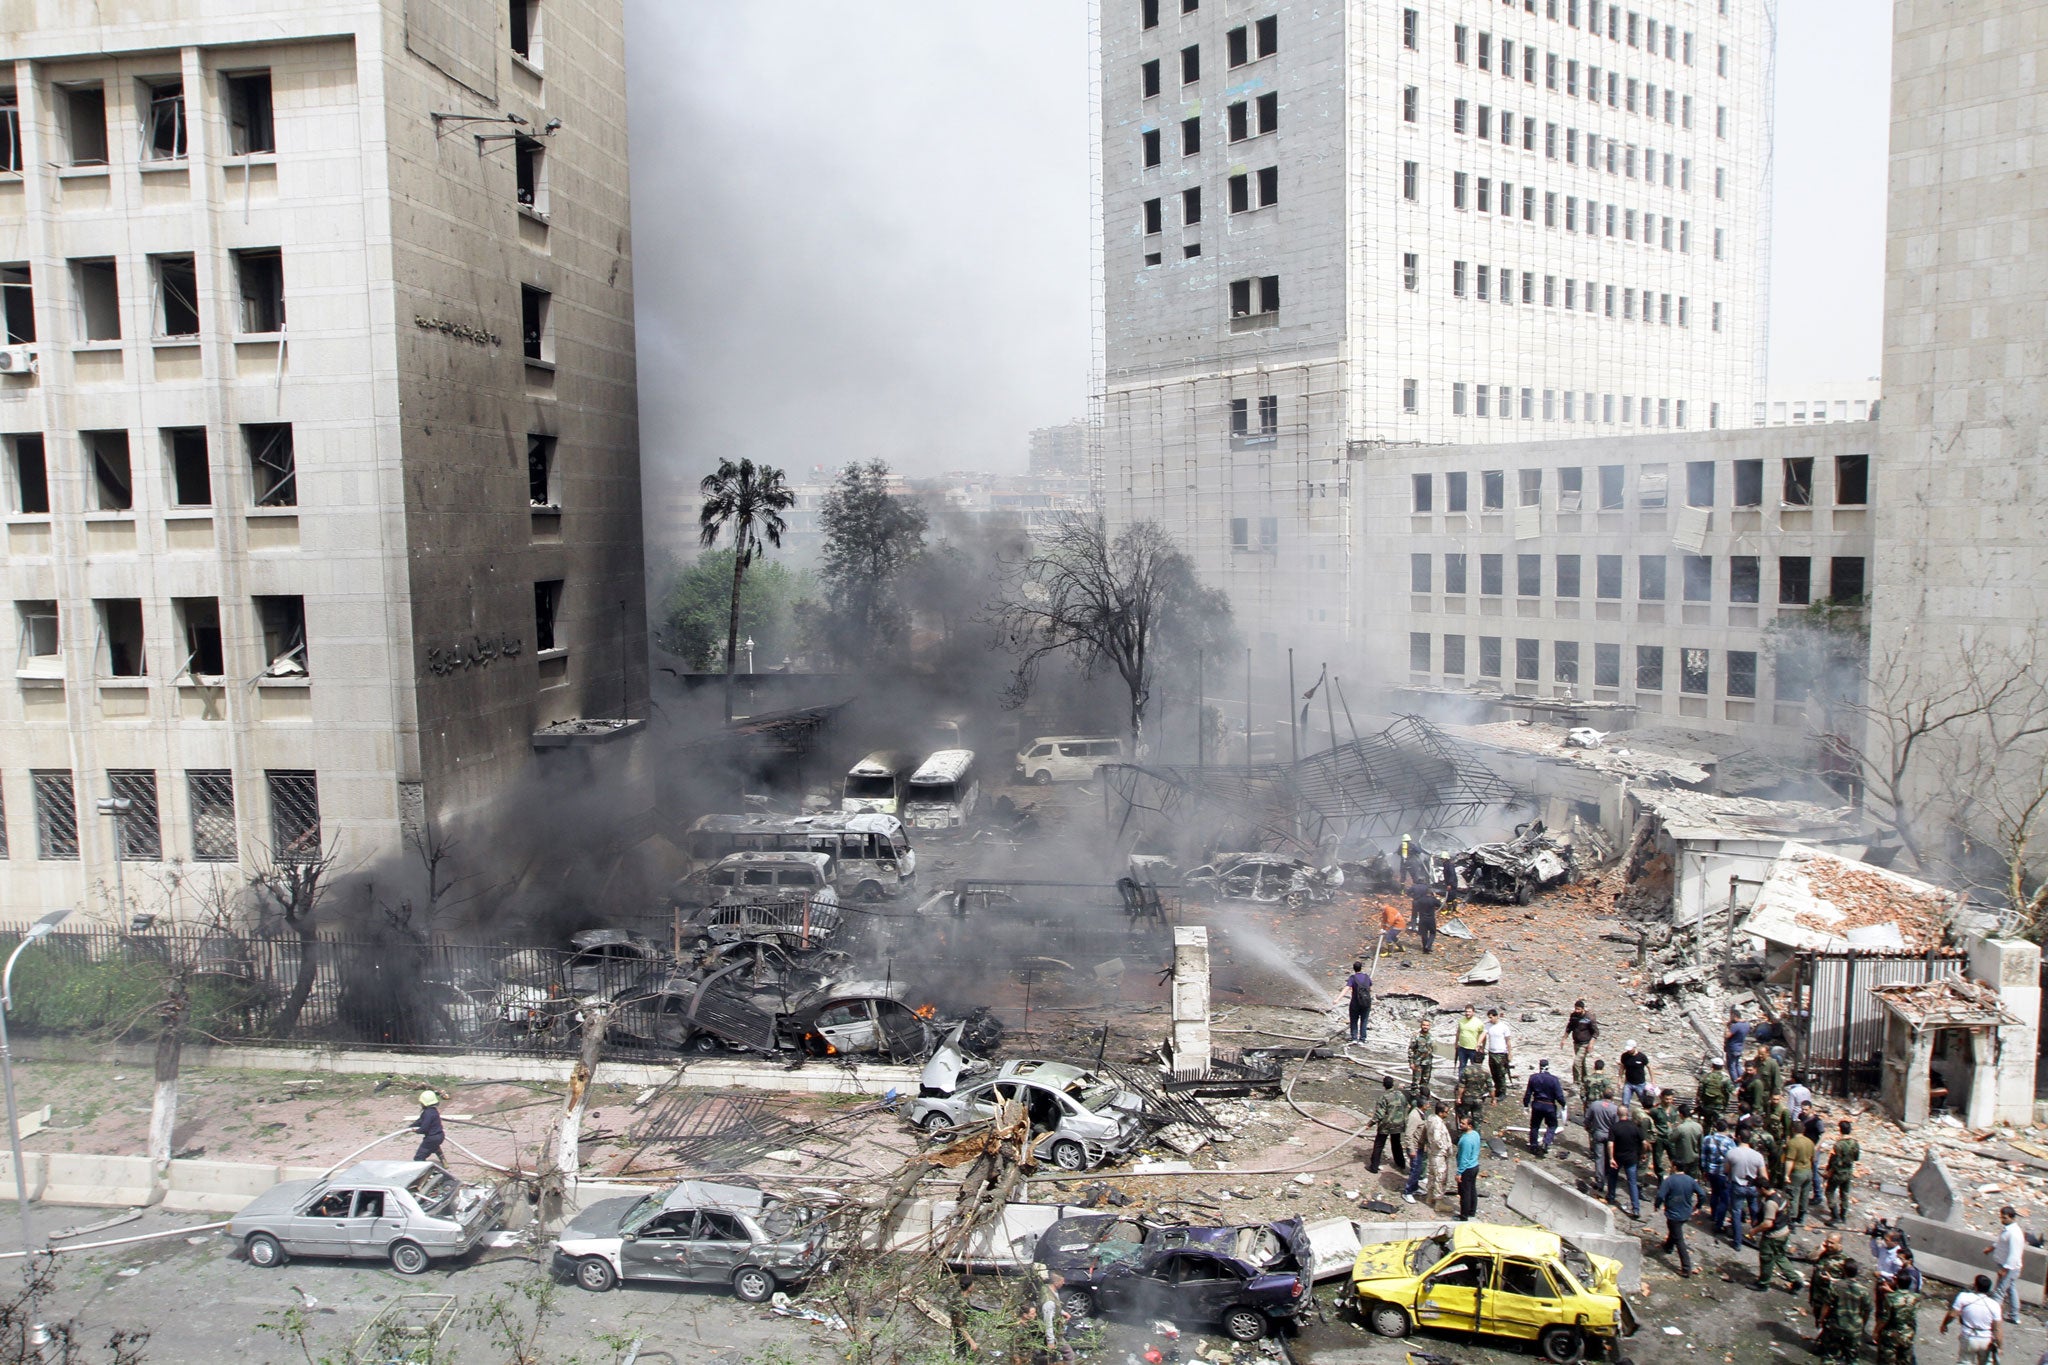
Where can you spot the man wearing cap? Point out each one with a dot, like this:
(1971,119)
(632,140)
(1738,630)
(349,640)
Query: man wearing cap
(428,1126)
(1543,1097)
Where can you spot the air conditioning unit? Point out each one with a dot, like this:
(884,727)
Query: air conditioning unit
(18,360)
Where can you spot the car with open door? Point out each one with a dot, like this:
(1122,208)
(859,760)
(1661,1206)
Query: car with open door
(410,1213)
(1079,1118)
(696,1232)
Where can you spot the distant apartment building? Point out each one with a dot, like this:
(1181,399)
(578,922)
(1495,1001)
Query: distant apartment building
(1334,229)
(1038,503)
(1643,573)
(1817,403)
(318,433)
(1060,452)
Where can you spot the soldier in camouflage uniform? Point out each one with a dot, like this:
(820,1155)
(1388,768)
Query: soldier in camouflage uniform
(1388,1119)
(1421,1061)
(1841,1174)
(1773,1240)
(1846,1315)
(1767,1067)
(1755,1095)
(1766,1143)
(1827,1264)
(1715,1093)
(1657,1126)
(1898,1323)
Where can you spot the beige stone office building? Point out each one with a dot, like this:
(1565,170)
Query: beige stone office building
(317,408)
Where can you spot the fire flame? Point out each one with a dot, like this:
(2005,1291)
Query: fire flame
(926,1011)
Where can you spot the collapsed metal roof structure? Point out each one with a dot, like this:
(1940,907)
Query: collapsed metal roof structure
(1408,778)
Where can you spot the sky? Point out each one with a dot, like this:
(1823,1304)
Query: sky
(862,230)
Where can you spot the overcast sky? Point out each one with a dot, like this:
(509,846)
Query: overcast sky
(861,230)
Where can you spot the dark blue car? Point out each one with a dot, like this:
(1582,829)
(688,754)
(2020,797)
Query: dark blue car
(1241,1279)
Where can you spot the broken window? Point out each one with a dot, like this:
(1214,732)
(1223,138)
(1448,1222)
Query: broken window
(1191,206)
(1490,575)
(1190,136)
(1528,575)
(1240,193)
(1611,483)
(1699,578)
(1852,480)
(1269,113)
(294,815)
(1240,416)
(10,152)
(1150,141)
(1564,661)
(1454,574)
(1649,668)
(1454,655)
(251,125)
(1269,413)
(163,121)
(1530,485)
(191,475)
(1528,660)
(1419,572)
(139,837)
(1699,483)
(536,323)
(1149,77)
(38,656)
(1799,482)
(112,478)
(177,296)
(1418,650)
(1606,665)
(283,621)
(1454,491)
(56,815)
(210,794)
(1424,494)
(1749,483)
(1255,297)
(530,162)
(1845,579)
(17,304)
(1493,486)
(1238,122)
(1269,534)
(1269,186)
(99,299)
(1795,580)
(1568,576)
(1745,578)
(540,470)
(1792,677)
(1148,13)
(1650,578)
(85,124)
(121,653)
(1489,656)
(1692,671)
(1741,673)
(1268,31)
(260,277)
(1240,533)
(1238,46)
(1607,576)
(547,606)
(1155,217)
(525,15)
(1571,486)
(1652,489)
(273,466)
(1190,65)
(31,471)
(199,626)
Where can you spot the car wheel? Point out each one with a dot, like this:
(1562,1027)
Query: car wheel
(1069,1155)
(1244,1324)
(935,1123)
(703,1042)
(1562,1344)
(751,1284)
(1387,1319)
(1525,891)
(409,1258)
(1077,1303)
(868,891)
(264,1250)
(1042,778)
(595,1273)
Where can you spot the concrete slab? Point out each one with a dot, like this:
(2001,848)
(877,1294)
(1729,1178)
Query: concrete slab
(1546,1200)
(1933,1189)
(1333,1246)
(216,1186)
(100,1181)
(34,1167)
(1954,1253)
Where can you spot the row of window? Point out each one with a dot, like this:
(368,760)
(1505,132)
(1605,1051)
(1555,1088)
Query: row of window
(1847,580)
(1651,674)
(158,106)
(1491,400)
(1796,485)
(1469,192)
(1242,121)
(1629,93)
(270,466)
(1621,159)
(132,803)
(120,638)
(174,295)
(1248,191)
(1487,284)
(1239,46)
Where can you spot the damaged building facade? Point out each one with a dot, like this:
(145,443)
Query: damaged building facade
(319,424)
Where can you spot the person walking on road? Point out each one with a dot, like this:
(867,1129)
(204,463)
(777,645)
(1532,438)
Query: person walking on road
(1735,1041)
(1841,1175)
(1844,1316)
(1635,1074)
(1471,1039)
(1422,908)
(1746,1178)
(1359,986)
(1468,1171)
(1580,1030)
(1975,1314)
(1714,1150)
(1774,1241)
(1388,1117)
(1625,1161)
(1714,1093)
(1500,1053)
(2008,1252)
(428,1126)
(1543,1097)
(1799,1172)
(1898,1322)
(1678,1196)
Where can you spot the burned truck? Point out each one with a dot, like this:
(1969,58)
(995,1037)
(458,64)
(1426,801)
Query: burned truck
(1513,871)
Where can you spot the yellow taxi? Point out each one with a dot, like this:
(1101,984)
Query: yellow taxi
(1483,1277)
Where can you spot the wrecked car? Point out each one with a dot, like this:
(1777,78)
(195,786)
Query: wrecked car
(410,1213)
(1515,870)
(1242,1279)
(857,1018)
(1079,1119)
(757,878)
(697,1232)
(719,1009)
(1501,1281)
(1265,878)
(603,957)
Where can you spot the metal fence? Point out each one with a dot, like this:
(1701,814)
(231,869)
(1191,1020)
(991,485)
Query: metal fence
(1836,1024)
(359,993)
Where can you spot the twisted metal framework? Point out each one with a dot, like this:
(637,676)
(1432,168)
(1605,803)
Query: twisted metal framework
(1409,777)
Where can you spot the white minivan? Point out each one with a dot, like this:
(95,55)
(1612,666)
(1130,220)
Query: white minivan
(1066,758)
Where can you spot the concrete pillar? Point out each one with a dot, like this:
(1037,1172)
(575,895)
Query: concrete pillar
(2013,966)
(1191,1055)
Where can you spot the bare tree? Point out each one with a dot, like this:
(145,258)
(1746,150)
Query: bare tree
(291,890)
(1117,603)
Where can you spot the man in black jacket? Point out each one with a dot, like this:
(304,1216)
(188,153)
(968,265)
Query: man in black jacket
(1543,1097)
(428,1126)
(1625,1158)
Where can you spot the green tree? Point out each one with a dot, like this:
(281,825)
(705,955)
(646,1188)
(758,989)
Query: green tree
(695,604)
(872,537)
(746,501)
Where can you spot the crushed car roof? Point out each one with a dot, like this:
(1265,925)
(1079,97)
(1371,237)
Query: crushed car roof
(707,1194)
(380,1173)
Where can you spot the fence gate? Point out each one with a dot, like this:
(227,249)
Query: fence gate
(1836,1025)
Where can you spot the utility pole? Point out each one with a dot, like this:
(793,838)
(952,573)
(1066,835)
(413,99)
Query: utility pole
(1293,730)
(1247,707)
(1201,705)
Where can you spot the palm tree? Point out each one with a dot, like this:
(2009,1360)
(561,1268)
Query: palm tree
(748,500)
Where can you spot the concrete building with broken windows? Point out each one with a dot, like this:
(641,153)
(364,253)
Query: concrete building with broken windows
(318,419)
(1634,577)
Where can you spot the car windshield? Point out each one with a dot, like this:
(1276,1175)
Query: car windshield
(860,785)
(434,1190)
(1094,1093)
(1578,1263)
(1428,1252)
(646,1208)
(780,1220)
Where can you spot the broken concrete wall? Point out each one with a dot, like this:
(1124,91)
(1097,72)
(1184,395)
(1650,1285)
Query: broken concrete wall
(2013,968)
(1191,1053)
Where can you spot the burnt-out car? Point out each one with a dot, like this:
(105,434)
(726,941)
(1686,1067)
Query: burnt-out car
(410,1213)
(1079,1118)
(1265,879)
(1514,870)
(1242,1279)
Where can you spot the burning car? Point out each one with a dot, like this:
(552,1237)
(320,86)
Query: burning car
(1265,878)
(698,1232)
(1078,1119)
(1242,1278)
(1516,869)
(410,1213)
(704,1011)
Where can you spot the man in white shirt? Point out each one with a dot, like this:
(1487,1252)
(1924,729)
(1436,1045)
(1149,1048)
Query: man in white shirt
(1976,1314)
(2009,1250)
(1744,1168)
(1500,1053)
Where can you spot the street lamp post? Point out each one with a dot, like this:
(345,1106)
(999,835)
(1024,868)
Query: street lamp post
(118,807)
(40,929)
